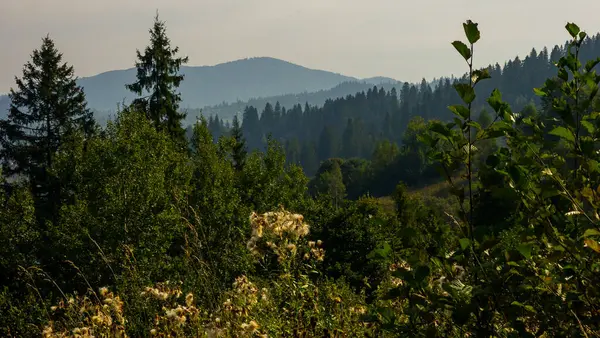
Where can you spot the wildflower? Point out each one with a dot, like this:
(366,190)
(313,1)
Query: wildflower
(319,242)
(97,320)
(153,332)
(311,244)
(47,332)
(103,291)
(253,326)
(292,247)
(189,299)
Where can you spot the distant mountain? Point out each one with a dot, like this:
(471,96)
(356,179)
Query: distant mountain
(226,111)
(230,82)
(211,85)
(4,105)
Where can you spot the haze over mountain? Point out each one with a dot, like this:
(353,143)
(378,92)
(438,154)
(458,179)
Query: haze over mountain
(230,82)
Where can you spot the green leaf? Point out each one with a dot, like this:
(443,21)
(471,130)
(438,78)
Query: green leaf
(479,75)
(464,243)
(525,250)
(591,232)
(474,124)
(516,174)
(465,91)
(440,128)
(382,252)
(562,74)
(530,308)
(593,166)
(573,29)
(563,133)
(462,49)
(582,35)
(591,64)
(539,92)
(592,244)
(495,100)
(471,31)
(588,126)
(460,111)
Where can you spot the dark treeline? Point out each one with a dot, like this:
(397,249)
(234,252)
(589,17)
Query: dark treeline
(227,110)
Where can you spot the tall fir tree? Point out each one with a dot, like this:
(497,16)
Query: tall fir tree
(238,147)
(158,76)
(252,128)
(45,108)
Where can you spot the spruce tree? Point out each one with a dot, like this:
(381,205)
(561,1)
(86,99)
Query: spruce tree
(158,76)
(45,108)
(238,147)
(251,127)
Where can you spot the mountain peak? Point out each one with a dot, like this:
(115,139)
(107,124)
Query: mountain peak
(225,82)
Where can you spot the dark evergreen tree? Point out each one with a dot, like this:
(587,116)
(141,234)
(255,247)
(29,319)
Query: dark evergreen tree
(292,151)
(45,108)
(327,144)
(252,128)
(308,158)
(238,147)
(158,76)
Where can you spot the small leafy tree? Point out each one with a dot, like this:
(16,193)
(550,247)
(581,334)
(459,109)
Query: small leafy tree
(537,273)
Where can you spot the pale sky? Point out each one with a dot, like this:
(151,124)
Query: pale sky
(406,40)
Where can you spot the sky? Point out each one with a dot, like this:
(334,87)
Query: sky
(405,40)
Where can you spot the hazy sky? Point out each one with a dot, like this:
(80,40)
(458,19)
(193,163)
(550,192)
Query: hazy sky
(403,39)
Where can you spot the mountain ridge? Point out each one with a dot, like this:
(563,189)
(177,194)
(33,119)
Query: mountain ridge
(205,86)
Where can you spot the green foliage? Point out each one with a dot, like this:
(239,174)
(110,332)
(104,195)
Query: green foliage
(514,250)
(18,233)
(526,271)
(330,185)
(129,181)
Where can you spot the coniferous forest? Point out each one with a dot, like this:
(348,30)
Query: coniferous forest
(466,210)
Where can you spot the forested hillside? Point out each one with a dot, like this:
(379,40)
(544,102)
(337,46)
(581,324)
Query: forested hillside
(226,111)
(133,229)
(355,125)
